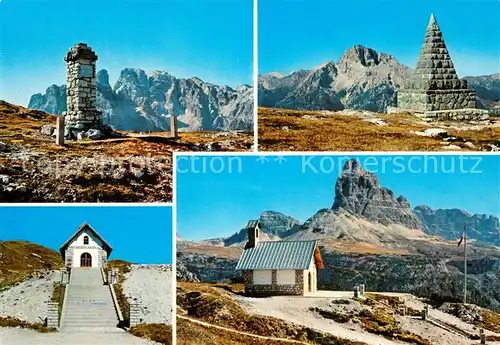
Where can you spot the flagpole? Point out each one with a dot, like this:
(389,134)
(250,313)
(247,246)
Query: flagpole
(465,263)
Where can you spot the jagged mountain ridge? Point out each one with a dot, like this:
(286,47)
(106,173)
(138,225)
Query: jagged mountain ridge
(364,211)
(449,224)
(361,80)
(145,103)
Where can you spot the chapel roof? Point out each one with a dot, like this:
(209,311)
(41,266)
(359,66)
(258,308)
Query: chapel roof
(280,255)
(85,227)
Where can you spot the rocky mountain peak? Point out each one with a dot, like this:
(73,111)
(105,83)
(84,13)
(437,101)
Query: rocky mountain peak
(360,54)
(102,77)
(358,192)
(274,226)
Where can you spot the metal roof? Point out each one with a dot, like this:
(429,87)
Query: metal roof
(252,224)
(278,255)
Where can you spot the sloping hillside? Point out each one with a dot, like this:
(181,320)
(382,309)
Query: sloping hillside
(20,259)
(136,167)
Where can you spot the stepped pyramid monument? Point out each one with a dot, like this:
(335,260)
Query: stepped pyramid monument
(434,89)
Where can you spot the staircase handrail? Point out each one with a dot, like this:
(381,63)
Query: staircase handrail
(115,300)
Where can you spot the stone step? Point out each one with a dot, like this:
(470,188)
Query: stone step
(89,304)
(90,324)
(89,312)
(75,318)
(80,329)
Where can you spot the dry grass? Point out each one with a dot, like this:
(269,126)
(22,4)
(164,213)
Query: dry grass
(382,323)
(9,321)
(22,125)
(123,268)
(20,259)
(491,321)
(215,304)
(158,332)
(392,301)
(189,333)
(350,133)
(244,140)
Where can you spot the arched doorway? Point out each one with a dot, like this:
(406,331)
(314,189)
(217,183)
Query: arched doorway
(86,260)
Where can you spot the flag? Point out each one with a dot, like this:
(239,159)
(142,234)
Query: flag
(463,236)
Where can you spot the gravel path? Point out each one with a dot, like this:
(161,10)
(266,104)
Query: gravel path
(28,300)
(18,336)
(296,310)
(151,287)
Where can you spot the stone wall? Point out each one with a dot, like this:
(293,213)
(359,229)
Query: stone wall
(433,100)
(135,314)
(457,115)
(53,315)
(102,258)
(68,258)
(274,289)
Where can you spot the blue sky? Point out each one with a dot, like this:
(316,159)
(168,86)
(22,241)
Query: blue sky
(137,234)
(296,34)
(219,204)
(210,39)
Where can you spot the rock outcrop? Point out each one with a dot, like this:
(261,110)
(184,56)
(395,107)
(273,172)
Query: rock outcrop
(359,193)
(449,224)
(52,101)
(274,224)
(145,103)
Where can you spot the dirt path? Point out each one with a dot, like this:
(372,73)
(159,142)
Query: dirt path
(18,336)
(206,324)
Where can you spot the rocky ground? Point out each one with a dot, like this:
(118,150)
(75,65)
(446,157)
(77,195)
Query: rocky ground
(358,130)
(375,320)
(151,287)
(18,336)
(28,300)
(135,168)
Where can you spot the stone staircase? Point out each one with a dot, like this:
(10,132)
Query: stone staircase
(88,303)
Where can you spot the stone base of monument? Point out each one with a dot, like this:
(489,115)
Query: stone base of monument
(457,115)
(93,131)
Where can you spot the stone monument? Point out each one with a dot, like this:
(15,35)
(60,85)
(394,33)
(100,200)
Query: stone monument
(82,114)
(434,89)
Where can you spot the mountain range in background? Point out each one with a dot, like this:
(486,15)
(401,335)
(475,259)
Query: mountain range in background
(361,80)
(371,236)
(139,102)
(363,211)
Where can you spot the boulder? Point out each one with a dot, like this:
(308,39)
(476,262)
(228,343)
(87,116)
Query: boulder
(48,130)
(434,133)
(3,146)
(95,134)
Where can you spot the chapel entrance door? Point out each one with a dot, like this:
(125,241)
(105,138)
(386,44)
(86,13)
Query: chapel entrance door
(86,260)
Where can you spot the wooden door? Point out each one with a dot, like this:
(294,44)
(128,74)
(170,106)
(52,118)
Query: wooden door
(86,260)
